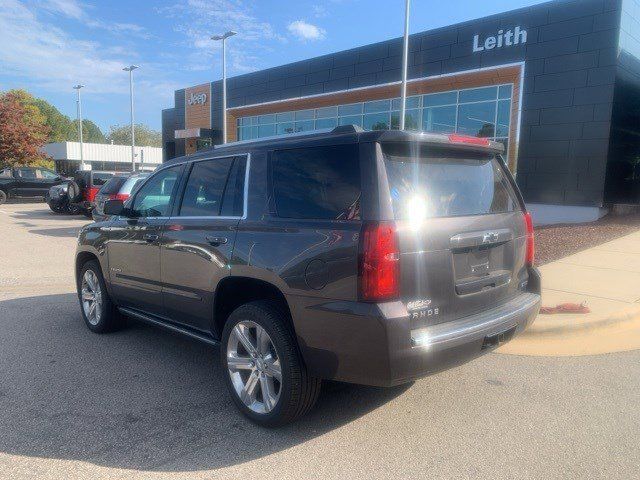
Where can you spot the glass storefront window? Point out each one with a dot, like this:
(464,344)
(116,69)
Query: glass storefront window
(304,126)
(284,128)
(326,123)
(503,119)
(376,121)
(439,119)
(351,120)
(327,112)
(352,109)
(438,99)
(305,115)
(266,130)
(284,117)
(376,106)
(483,112)
(477,119)
(478,94)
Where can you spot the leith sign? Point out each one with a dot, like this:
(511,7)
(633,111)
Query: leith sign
(508,38)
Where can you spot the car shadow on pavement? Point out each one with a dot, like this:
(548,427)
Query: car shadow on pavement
(140,399)
(45,214)
(57,232)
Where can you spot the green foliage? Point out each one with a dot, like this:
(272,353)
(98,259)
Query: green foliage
(90,132)
(145,137)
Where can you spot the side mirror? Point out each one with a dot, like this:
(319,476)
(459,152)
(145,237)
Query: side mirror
(113,207)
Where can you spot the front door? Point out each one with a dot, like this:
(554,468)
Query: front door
(198,240)
(134,244)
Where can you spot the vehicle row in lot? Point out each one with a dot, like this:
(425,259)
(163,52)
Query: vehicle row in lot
(27,182)
(77,195)
(365,257)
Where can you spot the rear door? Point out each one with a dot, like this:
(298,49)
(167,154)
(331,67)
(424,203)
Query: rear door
(461,230)
(198,239)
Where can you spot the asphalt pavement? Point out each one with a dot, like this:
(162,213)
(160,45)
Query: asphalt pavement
(142,403)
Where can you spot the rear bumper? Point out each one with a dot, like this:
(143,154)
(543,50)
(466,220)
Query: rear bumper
(375,344)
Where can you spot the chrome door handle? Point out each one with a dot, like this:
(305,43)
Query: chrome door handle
(149,237)
(215,241)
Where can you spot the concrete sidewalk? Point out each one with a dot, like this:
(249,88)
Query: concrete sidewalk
(607,279)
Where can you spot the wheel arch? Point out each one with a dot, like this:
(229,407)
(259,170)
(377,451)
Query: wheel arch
(234,291)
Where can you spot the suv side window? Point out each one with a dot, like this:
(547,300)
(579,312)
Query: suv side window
(205,188)
(27,173)
(215,188)
(6,173)
(317,182)
(155,197)
(46,174)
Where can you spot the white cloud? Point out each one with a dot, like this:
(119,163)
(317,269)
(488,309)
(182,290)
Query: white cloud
(320,11)
(197,20)
(68,8)
(306,31)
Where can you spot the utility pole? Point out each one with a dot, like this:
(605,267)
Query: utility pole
(130,69)
(79,114)
(224,37)
(405,61)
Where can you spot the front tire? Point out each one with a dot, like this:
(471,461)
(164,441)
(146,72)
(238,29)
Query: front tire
(98,311)
(262,366)
(3,197)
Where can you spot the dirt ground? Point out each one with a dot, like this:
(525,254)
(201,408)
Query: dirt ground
(557,241)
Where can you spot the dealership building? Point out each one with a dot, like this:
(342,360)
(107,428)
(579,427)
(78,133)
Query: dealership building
(557,83)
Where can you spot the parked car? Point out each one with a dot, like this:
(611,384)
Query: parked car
(26,182)
(77,195)
(366,257)
(116,188)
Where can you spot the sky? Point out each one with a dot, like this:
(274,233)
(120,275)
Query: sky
(48,46)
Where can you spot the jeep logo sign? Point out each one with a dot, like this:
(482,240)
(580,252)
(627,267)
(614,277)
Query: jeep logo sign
(197,99)
(502,39)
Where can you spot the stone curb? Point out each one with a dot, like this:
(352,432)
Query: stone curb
(546,325)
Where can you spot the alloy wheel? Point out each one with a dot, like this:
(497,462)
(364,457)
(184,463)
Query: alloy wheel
(254,367)
(91,297)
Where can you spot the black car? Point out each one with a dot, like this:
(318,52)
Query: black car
(78,194)
(26,182)
(366,257)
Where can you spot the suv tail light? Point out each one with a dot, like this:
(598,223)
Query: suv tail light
(379,262)
(531,248)
(456,138)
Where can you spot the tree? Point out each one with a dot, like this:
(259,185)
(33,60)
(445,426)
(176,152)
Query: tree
(23,132)
(61,127)
(91,133)
(145,137)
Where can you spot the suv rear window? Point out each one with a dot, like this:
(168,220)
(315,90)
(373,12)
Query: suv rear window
(437,182)
(320,183)
(113,185)
(100,179)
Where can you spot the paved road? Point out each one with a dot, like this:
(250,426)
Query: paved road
(143,403)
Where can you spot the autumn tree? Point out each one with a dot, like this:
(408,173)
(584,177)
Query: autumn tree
(23,132)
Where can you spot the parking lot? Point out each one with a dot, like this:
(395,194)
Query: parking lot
(142,402)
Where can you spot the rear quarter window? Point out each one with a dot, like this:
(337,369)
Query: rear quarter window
(435,183)
(317,182)
(112,186)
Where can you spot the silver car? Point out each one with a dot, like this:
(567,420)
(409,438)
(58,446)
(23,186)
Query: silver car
(117,188)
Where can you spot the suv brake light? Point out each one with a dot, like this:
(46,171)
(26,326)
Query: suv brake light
(379,262)
(121,196)
(455,138)
(531,248)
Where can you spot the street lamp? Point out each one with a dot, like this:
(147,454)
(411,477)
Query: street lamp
(405,61)
(224,37)
(130,69)
(79,113)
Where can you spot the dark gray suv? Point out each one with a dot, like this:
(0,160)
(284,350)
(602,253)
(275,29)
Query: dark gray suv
(366,257)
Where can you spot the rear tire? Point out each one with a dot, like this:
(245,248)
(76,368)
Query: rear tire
(99,312)
(56,208)
(3,197)
(252,373)
(73,209)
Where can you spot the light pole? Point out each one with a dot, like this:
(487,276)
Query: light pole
(130,69)
(224,37)
(79,113)
(405,61)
